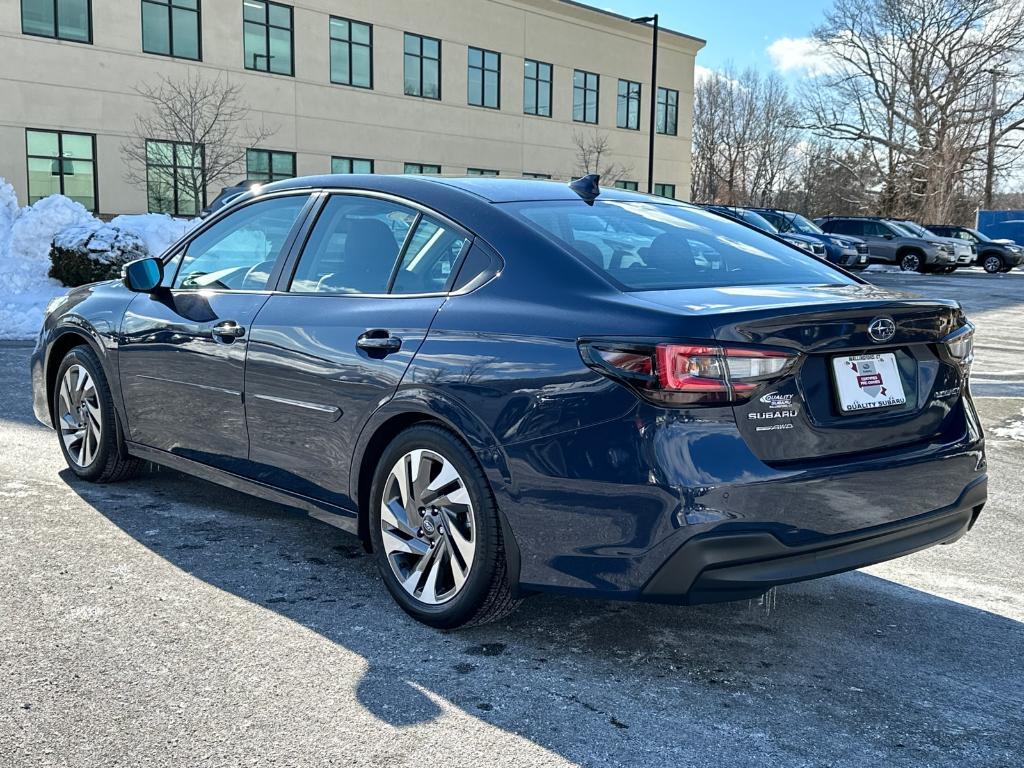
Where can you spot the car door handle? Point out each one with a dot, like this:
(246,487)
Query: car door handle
(227,329)
(379,343)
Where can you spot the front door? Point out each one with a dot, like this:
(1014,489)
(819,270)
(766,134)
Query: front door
(333,345)
(182,349)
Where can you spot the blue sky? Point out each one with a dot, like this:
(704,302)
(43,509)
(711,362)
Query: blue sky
(739,31)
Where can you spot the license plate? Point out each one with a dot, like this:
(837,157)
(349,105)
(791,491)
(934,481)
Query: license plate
(866,382)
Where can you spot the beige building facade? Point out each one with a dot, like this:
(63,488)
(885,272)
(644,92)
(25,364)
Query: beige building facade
(69,71)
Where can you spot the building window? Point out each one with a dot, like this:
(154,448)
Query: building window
(174,178)
(267,165)
(481,172)
(537,88)
(585,87)
(627,113)
(422,168)
(268,37)
(665,190)
(667,112)
(536,175)
(351,165)
(422,66)
(62,163)
(632,186)
(62,19)
(484,79)
(351,53)
(171,28)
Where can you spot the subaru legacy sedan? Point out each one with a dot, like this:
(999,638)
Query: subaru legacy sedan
(505,387)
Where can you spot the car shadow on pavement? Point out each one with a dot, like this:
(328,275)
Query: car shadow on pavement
(848,670)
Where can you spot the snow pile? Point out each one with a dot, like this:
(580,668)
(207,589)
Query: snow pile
(157,230)
(1014,430)
(26,235)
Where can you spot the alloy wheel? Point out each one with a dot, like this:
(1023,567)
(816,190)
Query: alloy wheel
(993,264)
(427,526)
(910,263)
(81,422)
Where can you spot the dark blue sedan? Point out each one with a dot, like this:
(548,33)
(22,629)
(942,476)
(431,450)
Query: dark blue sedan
(505,387)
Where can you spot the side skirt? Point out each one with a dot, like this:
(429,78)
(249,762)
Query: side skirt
(334,515)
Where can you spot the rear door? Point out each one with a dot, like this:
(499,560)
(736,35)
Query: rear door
(182,350)
(334,342)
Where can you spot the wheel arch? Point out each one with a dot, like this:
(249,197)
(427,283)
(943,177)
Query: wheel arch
(66,340)
(429,407)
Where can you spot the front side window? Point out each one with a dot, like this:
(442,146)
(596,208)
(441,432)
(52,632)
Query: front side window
(585,87)
(422,168)
(351,53)
(537,88)
(62,163)
(665,190)
(657,246)
(175,183)
(632,186)
(171,28)
(481,172)
(627,113)
(422,66)
(353,247)
(667,113)
(484,79)
(267,165)
(267,28)
(62,19)
(351,165)
(238,252)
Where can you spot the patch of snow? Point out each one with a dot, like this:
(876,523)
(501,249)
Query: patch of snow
(25,238)
(1014,430)
(888,268)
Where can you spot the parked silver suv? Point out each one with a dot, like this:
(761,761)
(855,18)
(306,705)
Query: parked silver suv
(892,244)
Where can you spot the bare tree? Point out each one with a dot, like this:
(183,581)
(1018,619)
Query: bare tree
(911,82)
(745,139)
(594,155)
(194,135)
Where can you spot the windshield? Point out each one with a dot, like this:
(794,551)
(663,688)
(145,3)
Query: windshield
(646,246)
(901,229)
(980,236)
(792,222)
(916,229)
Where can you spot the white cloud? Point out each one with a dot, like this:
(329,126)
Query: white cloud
(700,74)
(799,55)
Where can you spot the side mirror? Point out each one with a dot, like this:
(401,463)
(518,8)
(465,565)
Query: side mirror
(143,276)
(888,235)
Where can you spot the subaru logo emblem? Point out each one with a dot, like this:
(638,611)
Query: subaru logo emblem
(428,525)
(882,329)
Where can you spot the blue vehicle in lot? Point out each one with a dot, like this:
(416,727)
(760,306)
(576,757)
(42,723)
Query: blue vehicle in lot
(450,370)
(845,250)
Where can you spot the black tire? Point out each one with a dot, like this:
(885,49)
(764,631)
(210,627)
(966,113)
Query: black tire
(108,462)
(487,593)
(992,264)
(912,261)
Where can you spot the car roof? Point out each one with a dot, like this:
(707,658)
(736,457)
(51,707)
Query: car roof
(488,188)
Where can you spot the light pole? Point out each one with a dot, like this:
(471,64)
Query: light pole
(654,97)
(990,165)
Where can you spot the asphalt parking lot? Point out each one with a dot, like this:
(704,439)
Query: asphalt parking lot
(166,621)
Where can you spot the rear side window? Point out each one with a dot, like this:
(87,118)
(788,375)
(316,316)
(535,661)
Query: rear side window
(354,246)
(647,246)
(429,258)
(844,227)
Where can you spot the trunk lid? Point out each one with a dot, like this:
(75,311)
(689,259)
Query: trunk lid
(800,417)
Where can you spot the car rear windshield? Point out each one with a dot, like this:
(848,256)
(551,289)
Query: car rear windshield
(646,246)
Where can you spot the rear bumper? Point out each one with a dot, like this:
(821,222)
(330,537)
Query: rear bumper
(721,567)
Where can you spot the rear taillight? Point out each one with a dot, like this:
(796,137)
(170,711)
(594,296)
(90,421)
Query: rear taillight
(960,345)
(688,374)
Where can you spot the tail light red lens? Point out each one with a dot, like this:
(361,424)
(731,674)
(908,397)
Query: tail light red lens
(688,374)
